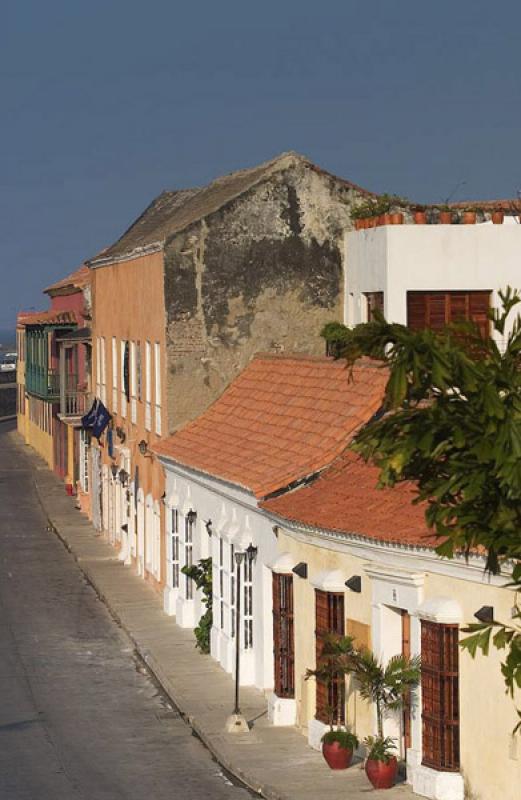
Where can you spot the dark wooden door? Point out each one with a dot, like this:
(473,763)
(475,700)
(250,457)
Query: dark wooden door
(440,696)
(406,651)
(329,611)
(283,635)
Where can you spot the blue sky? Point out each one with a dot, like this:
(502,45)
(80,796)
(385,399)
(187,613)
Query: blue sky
(105,104)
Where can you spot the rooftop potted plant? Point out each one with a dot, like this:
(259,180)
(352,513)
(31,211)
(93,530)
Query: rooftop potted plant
(469,215)
(335,662)
(497,216)
(445,215)
(387,686)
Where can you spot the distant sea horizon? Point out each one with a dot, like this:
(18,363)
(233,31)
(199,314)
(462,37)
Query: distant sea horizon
(7,339)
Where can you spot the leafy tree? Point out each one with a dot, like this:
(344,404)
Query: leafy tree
(201,574)
(451,423)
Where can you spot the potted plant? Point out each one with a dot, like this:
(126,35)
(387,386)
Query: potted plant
(387,686)
(497,216)
(469,216)
(445,215)
(419,215)
(334,663)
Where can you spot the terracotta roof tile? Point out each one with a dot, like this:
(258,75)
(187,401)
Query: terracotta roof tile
(46,318)
(76,280)
(266,431)
(345,499)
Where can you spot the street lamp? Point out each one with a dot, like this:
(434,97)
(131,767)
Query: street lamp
(236,723)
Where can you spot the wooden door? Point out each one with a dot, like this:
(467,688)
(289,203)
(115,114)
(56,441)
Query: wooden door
(406,652)
(283,635)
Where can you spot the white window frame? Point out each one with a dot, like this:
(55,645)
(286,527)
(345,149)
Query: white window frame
(103,365)
(232,591)
(84,460)
(188,554)
(122,345)
(157,381)
(133,383)
(248,603)
(148,386)
(220,583)
(174,548)
(114,375)
(98,366)
(149,533)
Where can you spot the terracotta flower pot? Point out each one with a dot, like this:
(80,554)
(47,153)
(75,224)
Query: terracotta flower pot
(445,217)
(371,222)
(469,217)
(498,217)
(337,757)
(359,224)
(420,218)
(386,219)
(397,218)
(381,775)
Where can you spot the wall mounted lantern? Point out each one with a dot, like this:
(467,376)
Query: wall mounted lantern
(120,433)
(251,552)
(123,477)
(191,516)
(301,569)
(355,583)
(485,614)
(143,448)
(208,526)
(114,470)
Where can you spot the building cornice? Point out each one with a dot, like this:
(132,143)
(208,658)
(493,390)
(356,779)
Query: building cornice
(138,252)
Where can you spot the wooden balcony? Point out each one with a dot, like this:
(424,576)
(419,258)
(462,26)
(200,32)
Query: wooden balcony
(42,382)
(75,399)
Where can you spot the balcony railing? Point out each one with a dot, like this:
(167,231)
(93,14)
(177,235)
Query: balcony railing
(42,382)
(75,400)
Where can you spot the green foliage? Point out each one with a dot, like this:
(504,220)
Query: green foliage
(337,660)
(375,206)
(201,574)
(387,686)
(453,427)
(380,748)
(345,739)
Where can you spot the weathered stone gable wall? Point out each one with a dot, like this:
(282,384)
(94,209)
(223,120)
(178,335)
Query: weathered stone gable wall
(264,273)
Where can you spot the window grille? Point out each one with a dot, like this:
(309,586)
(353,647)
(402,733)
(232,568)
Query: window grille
(157,378)
(440,696)
(221,583)
(84,460)
(232,591)
(114,375)
(174,521)
(133,382)
(148,386)
(124,377)
(189,584)
(248,603)
(283,635)
(329,610)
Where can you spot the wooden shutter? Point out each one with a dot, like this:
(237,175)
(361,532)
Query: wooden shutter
(329,611)
(436,309)
(283,635)
(440,696)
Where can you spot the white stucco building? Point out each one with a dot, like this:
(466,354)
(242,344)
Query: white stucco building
(271,430)
(430,273)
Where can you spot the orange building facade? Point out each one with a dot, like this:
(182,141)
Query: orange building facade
(128,343)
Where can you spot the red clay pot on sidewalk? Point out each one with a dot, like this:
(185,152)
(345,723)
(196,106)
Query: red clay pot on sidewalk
(381,775)
(337,757)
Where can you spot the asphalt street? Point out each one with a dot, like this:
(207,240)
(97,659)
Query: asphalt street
(79,715)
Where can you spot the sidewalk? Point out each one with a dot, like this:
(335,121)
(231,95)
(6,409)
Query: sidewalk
(275,762)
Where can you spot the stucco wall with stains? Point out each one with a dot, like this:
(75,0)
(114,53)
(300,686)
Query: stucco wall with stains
(263,273)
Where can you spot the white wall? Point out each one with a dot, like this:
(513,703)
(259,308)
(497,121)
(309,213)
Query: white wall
(398,258)
(235,518)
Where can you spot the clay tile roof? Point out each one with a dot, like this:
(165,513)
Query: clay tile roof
(173,211)
(46,318)
(345,499)
(76,280)
(281,420)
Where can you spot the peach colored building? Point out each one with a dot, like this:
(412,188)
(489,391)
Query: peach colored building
(200,282)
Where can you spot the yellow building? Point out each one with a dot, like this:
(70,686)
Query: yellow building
(364,565)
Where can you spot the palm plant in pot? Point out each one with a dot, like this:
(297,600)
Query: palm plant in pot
(335,662)
(388,687)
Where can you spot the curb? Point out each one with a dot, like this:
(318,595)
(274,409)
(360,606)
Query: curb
(153,665)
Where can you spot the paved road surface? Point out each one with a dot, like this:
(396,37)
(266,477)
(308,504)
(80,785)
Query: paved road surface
(79,717)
